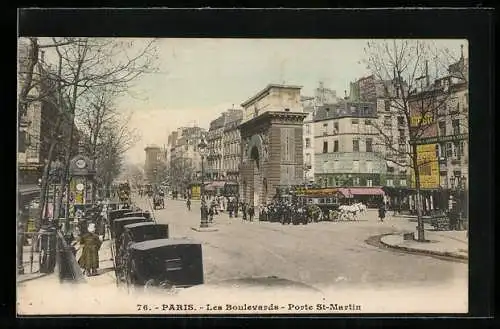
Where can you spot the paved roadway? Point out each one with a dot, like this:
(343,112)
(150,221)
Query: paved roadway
(319,254)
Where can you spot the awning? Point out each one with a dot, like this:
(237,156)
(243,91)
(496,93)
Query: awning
(350,192)
(29,189)
(218,184)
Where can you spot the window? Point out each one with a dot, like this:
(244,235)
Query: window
(308,129)
(387,105)
(389,182)
(369,166)
(456,126)
(335,127)
(335,146)
(308,142)
(330,181)
(369,182)
(354,121)
(355,145)
(369,145)
(442,128)
(368,122)
(460,148)
(325,147)
(355,181)
(387,121)
(401,121)
(355,165)
(402,182)
(449,150)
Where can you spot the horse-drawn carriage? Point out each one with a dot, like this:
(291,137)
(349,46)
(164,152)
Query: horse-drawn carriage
(124,193)
(165,263)
(158,202)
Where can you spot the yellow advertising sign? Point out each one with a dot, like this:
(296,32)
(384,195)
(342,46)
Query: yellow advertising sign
(428,166)
(195,192)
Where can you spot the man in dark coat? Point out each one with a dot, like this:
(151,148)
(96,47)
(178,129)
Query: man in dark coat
(89,260)
(381,212)
(251,212)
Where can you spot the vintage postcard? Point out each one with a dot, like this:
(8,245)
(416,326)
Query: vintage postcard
(177,176)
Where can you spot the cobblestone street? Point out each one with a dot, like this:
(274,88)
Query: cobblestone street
(318,254)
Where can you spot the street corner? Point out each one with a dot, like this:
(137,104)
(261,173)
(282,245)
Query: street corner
(434,247)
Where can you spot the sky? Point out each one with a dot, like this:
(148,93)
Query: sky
(198,79)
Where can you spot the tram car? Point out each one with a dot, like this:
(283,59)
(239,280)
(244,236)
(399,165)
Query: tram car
(164,263)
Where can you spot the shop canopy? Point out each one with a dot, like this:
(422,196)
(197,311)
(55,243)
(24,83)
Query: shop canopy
(28,190)
(353,191)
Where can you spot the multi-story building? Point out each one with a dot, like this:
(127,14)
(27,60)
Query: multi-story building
(185,158)
(151,166)
(215,141)
(309,106)
(232,146)
(392,138)
(344,144)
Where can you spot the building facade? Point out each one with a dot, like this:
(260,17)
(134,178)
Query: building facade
(152,163)
(345,147)
(215,141)
(309,107)
(232,147)
(185,158)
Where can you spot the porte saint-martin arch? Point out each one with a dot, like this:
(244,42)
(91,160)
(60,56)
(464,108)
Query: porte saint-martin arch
(271,155)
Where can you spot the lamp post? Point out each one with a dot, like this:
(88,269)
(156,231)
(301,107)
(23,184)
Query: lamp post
(202,148)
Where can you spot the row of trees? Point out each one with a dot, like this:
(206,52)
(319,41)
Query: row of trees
(82,78)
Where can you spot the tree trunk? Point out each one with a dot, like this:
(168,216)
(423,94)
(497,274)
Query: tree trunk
(420,220)
(45,176)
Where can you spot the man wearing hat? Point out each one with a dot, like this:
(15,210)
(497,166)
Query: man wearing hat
(89,260)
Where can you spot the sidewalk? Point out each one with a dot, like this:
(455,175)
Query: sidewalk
(105,273)
(440,243)
(31,271)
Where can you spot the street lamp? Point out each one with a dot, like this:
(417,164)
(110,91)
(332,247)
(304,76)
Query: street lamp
(202,148)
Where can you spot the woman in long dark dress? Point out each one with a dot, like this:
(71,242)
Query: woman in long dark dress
(89,260)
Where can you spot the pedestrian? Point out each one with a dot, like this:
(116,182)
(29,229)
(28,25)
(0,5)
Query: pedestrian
(251,212)
(244,211)
(188,204)
(89,260)
(381,212)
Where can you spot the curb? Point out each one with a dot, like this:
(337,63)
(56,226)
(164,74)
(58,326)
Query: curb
(421,251)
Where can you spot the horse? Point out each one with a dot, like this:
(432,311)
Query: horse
(362,207)
(349,211)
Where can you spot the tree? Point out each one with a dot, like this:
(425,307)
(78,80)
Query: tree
(402,66)
(77,66)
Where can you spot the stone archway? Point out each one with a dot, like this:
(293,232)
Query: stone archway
(255,159)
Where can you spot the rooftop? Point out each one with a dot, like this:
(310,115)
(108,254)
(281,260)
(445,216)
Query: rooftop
(265,90)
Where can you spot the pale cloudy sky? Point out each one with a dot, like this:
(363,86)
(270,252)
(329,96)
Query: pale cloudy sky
(201,78)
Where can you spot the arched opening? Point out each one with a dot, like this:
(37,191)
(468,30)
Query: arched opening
(254,155)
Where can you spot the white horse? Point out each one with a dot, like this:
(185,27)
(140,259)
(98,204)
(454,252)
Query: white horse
(349,212)
(362,207)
